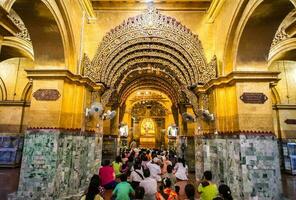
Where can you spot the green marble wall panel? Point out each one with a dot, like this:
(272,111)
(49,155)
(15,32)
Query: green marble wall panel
(248,164)
(57,164)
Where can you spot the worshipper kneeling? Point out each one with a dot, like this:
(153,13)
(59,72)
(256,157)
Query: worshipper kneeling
(207,189)
(150,186)
(190,192)
(123,190)
(107,175)
(224,193)
(139,193)
(94,190)
(166,192)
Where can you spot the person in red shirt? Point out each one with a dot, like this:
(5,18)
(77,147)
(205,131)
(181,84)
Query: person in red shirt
(107,175)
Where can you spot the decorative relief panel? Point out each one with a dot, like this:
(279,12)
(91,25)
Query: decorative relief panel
(281,34)
(192,100)
(46,95)
(107,96)
(150,38)
(204,100)
(148,108)
(24,34)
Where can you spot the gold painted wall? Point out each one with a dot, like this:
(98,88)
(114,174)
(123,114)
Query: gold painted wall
(225,101)
(254,117)
(13,112)
(286,89)
(14,76)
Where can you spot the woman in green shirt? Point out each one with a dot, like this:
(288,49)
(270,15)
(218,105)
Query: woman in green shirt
(117,164)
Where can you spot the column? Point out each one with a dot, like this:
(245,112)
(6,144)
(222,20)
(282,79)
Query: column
(59,157)
(242,148)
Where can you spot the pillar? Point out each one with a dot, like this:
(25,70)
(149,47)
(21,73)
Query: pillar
(242,148)
(59,157)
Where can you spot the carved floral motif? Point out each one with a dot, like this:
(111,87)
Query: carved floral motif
(23,34)
(152,37)
(155,46)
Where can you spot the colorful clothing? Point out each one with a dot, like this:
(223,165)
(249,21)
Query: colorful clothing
(208,192)
(181,171)
(172,177)
(117,167)
(97,197)
(150,186)
(122,191)
(167,194)
(107,175)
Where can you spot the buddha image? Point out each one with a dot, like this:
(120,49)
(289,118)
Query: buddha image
(147,127)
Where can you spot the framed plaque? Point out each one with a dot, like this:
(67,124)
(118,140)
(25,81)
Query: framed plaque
(253,98)
(46,95)
(290,121)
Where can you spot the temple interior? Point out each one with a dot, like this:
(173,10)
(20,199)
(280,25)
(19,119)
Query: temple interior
(213,80)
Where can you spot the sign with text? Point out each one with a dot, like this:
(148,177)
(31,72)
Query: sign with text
(253,98)
(46,95)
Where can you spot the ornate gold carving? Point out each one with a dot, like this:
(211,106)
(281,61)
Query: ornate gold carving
(142,69)
(280,35)
(154,82)
(148,108)
(87,67)
(212,71)
(154,36)
(204,101)
(23,34)
(192,100)
(106,97)
(95,96)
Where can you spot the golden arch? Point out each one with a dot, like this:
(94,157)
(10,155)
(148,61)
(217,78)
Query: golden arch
(149,38)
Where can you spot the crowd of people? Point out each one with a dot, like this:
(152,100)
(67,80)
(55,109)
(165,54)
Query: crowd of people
(150,175)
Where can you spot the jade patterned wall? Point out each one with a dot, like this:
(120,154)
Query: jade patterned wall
(249,164)
(57,164)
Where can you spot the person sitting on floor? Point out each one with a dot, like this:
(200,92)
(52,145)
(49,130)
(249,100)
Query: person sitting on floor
(207,189)
(170,175)
(136,175)
(181,170)
(150,186)
(224,193)
(167,193)
(94,190)
(117,164)
(190,192)
(154,168)
(123,190)
(139,193)
(107,175)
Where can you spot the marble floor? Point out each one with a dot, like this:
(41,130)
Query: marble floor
(9,181)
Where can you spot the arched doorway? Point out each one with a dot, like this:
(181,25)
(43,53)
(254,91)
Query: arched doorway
(153,53)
